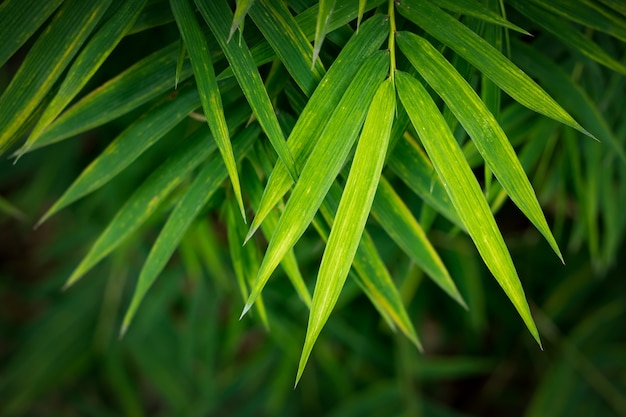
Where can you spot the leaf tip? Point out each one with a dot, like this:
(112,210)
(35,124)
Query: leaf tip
(246,308)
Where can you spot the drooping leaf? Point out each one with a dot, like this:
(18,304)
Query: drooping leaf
(204,185)
(87,63)
(478,10)
(217,14)
(146,199)
(46,60)
(322,166)
(200,56)
(486,58)
(319,109)
(19,19)
(464,191)
(127,147)
(480,124)
(354,208)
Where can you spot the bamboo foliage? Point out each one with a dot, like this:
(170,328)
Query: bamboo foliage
(325,117)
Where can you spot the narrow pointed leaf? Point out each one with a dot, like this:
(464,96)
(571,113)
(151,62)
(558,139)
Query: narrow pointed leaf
(319,108)
(480,124)
(19,19)
(282,32)
(217,14)
(208,180)
(127,147)
(243,6)
(87,63)
(147,79)
(486,58)
(464,191)
(45,62)
(360,16)
(145,200)
(569,35)
(197,46)
(478,10)
(398,221)
(354,208)
(321,27)
(322,167)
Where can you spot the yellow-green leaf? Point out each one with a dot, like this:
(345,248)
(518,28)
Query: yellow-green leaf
(321,27)
(464,191)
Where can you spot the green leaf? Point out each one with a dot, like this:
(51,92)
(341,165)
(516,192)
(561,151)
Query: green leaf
(19,19)
(486,58)
(319,109)
(322,166)
(398,221)
(217,14)
(45,62)
(127,147)
(146,199)
(87,63)
(200,56)
(409,162)
(464,191)
(476,9)
(321,27)
(204,185)
(354,208)
(480,124)
(143,81)
(282,32)
(243,6)
(568,35)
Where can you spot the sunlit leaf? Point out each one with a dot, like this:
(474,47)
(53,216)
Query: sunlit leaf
(464,191)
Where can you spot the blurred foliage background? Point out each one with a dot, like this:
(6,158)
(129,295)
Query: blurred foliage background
(188,354)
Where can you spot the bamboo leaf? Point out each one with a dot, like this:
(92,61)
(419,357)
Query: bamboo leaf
(45,62)
(396,219)
(354,208)
(486,58)
(282,32)
(87,63)
(217,14)
(149,78)
(19,19)
(204,185)
(200,56)
(145,200)
(322,166)
(480,124)
(127,147)
(464,191)
(568,35)
(243,6)
(319,109)
(321,27)
(360,15)
(478,10)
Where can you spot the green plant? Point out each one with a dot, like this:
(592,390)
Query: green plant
(394,112)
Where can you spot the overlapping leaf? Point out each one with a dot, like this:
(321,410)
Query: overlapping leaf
(321,27)
(46,60)
(322,166)
(478,10)
(199,53)
(464,190)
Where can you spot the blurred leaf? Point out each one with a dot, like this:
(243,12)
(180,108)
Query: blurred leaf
(476,9)
(464,191)
(204,185)
(127,147)
(46,60)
